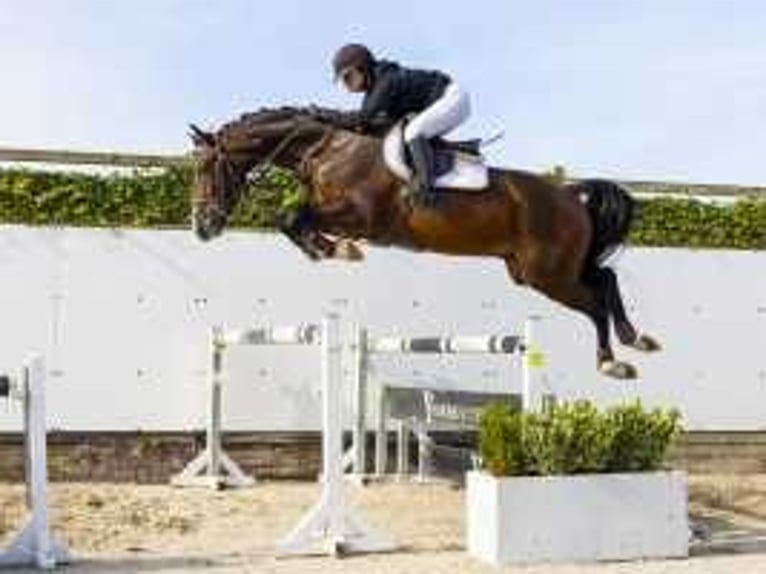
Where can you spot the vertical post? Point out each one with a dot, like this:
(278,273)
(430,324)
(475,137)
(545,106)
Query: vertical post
(338,529)
(381,431)
(403,449)
(37,463)
(424,453)
(359,391)
(213,430)
(332,425)
(531,393)
(34,545)
(213,468)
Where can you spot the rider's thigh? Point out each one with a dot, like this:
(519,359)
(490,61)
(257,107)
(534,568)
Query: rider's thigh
(444,115)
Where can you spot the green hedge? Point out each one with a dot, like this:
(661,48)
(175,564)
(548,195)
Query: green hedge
(689,223)
(148,198)
(575,438)
(161,199)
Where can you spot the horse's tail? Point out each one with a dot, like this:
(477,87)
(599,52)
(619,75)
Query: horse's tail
(611,210)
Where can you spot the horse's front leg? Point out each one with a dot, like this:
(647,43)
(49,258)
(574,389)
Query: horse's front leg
(297,227)
(301,228)
(348,218)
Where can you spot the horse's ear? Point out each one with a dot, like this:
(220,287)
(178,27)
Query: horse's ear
(200,136)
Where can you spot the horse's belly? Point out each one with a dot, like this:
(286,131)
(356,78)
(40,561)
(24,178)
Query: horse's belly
(461,234)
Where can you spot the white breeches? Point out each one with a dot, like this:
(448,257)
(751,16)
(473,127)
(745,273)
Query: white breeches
(444,115)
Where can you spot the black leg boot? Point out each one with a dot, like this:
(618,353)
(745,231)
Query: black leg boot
(422,160)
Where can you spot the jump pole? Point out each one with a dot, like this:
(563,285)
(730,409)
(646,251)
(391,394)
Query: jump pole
(364,346)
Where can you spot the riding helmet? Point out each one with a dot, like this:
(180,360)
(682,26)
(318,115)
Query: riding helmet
(352,56)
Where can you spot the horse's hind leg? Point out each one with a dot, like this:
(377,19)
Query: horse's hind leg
(626,332)
(603,313)
(587,296)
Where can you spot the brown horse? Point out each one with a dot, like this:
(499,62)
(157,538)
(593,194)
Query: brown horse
(551,237)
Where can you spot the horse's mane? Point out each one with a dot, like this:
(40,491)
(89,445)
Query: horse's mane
(251,121)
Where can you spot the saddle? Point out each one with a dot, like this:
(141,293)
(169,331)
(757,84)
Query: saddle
(469,147)
(457,164)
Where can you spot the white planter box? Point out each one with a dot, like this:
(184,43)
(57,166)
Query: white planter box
(577,518)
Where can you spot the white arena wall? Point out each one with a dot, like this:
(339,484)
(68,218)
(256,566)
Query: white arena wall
(123,316)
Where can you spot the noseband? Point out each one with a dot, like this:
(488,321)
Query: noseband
(224,170)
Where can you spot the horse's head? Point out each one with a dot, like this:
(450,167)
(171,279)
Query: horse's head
(224,159)
(219,179)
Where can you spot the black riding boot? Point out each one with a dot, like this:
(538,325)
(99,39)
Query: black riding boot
(422,160)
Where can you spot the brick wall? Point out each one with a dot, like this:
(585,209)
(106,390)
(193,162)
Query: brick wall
(155,457)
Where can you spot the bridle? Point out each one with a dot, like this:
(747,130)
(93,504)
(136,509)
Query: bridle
(224,169)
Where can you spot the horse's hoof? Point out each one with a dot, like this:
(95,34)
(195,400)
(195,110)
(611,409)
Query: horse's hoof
(646,343)
(348,251)
(311,254)
(618,370)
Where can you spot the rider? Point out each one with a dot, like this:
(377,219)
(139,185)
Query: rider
(392,92)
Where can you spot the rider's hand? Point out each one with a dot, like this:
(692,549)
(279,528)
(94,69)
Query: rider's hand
(378,124)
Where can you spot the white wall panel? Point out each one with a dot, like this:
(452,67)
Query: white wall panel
(122,317)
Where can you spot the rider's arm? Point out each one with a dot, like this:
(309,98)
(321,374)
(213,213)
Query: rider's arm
(378,101)
(373,117)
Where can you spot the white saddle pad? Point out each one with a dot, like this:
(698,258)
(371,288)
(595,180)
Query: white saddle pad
(469,172)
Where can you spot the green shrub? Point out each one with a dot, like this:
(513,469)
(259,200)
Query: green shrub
(691,223)
(574,438)
(568,439)
(639,439)
(501,445)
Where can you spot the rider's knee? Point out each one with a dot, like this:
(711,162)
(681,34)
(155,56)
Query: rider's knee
(413,130)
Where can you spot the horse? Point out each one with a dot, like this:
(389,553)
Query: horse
(553,237)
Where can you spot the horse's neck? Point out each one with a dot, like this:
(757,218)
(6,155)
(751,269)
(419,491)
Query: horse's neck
(346,164)
(299,145)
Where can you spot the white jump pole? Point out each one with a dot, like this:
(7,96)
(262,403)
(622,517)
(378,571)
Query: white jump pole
(34,545)
(330,526)
(532,397)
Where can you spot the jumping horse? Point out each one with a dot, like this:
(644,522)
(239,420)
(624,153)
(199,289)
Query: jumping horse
(552,237)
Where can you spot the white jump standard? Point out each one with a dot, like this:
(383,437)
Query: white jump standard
(332,526)
(366,347)
(33,545)
(213,468)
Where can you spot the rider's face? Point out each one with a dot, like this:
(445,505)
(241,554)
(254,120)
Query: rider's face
(353,79)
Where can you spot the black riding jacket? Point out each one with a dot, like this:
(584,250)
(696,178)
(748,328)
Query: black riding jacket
(396,91)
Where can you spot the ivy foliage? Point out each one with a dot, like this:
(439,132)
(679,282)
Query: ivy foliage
(160,199)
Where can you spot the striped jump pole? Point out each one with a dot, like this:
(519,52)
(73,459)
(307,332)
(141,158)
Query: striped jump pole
(365,346)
